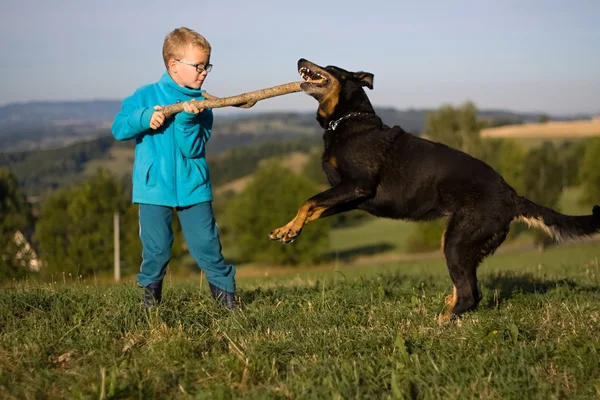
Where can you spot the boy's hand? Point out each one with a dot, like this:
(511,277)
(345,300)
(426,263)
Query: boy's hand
(158,118)
(191,108)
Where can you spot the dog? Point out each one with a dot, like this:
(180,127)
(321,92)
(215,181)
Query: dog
(391,173)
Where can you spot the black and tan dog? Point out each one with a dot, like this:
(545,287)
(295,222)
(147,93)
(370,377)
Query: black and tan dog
(391,173)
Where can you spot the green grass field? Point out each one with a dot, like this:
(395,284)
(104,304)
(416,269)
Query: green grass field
(346,332)
(392,235)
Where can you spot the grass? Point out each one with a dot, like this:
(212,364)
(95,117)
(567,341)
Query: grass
(350,332)
(373,233)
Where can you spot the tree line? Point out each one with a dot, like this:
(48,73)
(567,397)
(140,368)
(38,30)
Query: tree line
(73,230)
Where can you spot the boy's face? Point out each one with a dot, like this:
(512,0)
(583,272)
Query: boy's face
(187,75)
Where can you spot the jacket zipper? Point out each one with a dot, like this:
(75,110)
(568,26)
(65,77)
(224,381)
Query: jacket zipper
(174,143)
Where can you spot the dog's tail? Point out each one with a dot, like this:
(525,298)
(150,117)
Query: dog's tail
(559,226)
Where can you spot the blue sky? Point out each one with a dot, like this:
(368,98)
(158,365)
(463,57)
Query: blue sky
(518,55)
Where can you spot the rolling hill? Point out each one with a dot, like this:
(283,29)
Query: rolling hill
(53,144)
(43,125)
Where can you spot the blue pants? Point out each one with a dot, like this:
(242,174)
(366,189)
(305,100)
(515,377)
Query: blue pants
(201,235)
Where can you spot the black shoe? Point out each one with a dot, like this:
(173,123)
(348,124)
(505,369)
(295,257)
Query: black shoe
(153,294)
(225,298)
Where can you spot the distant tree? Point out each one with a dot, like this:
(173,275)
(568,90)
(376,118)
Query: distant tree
(15,216)
(75,228)
(456,127)
(542,181)
(571,154)
(503,121)
(543,118)
(313,169)
(589,173)
(131,246)
(269,201)
(541,174)
(507,157)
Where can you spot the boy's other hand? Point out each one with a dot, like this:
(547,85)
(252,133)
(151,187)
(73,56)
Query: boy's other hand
(158,118)
(191,108)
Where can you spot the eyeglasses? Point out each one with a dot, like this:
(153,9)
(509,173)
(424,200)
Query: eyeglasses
(199,67)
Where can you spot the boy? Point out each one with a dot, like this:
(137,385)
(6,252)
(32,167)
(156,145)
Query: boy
(170,169)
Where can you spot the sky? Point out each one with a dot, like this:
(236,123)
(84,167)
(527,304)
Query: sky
(520,55)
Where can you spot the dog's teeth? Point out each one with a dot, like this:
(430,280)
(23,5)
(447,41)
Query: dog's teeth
(311,76)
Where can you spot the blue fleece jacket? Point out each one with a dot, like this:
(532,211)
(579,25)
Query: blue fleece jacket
(170,167)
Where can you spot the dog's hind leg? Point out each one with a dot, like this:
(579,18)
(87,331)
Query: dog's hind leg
(466,242)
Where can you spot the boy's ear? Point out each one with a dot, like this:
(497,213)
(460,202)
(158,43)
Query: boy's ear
(365,78)
(171,64)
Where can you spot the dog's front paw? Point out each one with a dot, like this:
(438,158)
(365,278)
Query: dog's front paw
(285,234)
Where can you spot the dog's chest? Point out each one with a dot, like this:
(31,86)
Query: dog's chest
(330,166)
(328,157)
(341,155)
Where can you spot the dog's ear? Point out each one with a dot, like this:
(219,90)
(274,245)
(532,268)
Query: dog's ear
(365,78)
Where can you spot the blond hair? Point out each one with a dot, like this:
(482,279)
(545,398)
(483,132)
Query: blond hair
(177,41)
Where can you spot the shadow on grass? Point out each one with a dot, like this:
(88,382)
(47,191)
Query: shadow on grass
(497,288)
(368,250)
(507,286)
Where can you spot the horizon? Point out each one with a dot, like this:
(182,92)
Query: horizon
(537,57)
(232,111)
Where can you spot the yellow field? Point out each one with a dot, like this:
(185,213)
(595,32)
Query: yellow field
(549,130)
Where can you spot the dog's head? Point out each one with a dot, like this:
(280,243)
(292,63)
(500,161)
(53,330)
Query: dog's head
(339,92)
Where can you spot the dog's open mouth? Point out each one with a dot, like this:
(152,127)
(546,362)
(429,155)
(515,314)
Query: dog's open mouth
(312,77)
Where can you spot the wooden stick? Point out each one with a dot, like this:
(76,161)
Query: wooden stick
(244,100)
